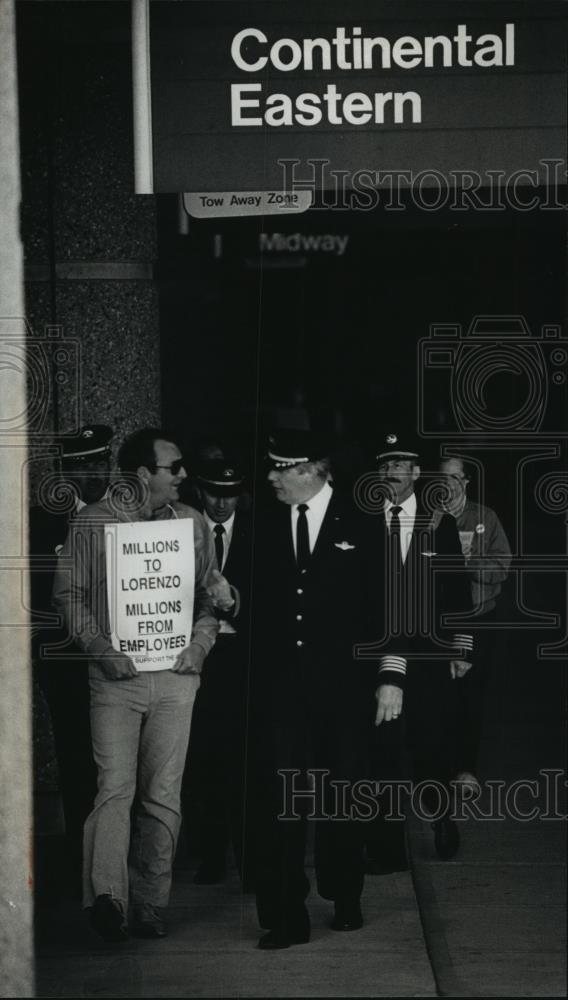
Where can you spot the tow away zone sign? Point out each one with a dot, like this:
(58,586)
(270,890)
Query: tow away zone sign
(220,204)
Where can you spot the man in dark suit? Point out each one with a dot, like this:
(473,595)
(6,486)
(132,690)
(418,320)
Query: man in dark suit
(214,784)
(413,539)
(61,669)
(313,703)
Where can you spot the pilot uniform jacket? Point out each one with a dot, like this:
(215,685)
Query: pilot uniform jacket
(214,783)
(416,627)
(306,625)
(313,702)
(418,644)
(62,672)
(48,531)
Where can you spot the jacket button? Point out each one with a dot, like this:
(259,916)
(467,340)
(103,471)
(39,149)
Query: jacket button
(299,618)
(299,590)
(299,642)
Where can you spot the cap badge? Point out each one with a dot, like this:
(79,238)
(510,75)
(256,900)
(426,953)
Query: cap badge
(391,439)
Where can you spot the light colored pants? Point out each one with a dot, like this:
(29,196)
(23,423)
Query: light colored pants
(140,731)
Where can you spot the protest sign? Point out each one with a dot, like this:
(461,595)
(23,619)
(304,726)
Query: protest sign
(150,589)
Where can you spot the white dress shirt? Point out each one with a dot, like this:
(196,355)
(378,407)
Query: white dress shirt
(406,517)
(225,627)
(226,536)
(315,514)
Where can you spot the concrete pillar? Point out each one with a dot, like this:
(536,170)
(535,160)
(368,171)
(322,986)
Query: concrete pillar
(89,248)
(16,962)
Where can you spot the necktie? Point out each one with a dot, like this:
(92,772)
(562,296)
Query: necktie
(219,547)
(302,538)
(394,540)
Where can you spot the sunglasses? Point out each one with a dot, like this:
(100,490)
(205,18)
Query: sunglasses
(174,468)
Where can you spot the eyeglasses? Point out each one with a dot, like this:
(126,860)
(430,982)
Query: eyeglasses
(174,468)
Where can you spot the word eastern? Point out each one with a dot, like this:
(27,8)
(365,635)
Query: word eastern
(331,106)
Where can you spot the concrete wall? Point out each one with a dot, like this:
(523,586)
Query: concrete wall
(16,965)
(89,242)
(89,245)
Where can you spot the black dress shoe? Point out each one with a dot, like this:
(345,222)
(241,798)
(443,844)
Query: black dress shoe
(147,922)
(108,919)
(283,939)
(348,917)
(210,872)
(293,928)
(385,866)
(446,838)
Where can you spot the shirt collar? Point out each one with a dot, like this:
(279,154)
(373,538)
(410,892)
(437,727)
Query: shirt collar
(408,507)
(228,524)
(79,504)
(319,502)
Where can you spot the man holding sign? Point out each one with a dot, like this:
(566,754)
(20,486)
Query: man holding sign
(137,586)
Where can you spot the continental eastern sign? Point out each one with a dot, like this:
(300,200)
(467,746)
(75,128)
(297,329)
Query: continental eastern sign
(242,91)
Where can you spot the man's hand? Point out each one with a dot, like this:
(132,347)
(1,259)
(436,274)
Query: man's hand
(116,666)
(459,668)
(190,660)
(389,703)
(220,591)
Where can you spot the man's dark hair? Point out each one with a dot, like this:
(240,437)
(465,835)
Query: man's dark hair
(470,469)
(138,448)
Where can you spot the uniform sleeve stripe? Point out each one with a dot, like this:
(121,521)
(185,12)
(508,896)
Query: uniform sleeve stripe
(397,663)
(464,640)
